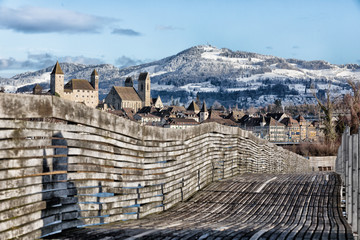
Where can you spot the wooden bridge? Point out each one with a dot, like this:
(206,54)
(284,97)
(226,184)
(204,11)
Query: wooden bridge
(248,206)
(66,166)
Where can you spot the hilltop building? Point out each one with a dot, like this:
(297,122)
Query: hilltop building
(144,88)
(123,97)
(128,97)
(77,90)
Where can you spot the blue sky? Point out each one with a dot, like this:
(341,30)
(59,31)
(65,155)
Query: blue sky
(34,34)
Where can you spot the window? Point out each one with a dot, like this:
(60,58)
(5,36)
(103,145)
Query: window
(141,87)
(148,86)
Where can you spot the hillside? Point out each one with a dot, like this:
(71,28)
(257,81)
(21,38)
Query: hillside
(231,77)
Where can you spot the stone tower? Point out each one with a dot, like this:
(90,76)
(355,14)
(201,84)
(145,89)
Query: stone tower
(144,88)
(57,80)
(204,114)
(95,80)
(129,82)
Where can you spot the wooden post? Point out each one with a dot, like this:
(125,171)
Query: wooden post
(354,179)
(232,167)
(136,201)
(350,183)
(163,196)
(100,204)
(346,171)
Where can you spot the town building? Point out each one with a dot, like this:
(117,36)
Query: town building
(156,102)
(204,113)
(173,112)
(264,127)
(277,116)
(217,117)
(292,129)
(193,107)
(235,115)
(124,97)
(77,90)
(148,118)
(307,130)
(181,123)
(128,97)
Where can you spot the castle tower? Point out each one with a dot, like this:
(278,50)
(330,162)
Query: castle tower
(204,114)
(57,80)
(95,80)
(129,82)
(144,88)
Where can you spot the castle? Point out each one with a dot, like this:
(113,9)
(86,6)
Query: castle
(77,90)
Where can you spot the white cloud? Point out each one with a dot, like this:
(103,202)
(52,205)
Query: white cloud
(43,60)
(127,32)
(167,28)
(44,20)
(125,61)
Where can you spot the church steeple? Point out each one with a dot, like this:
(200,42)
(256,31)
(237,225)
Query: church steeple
(129,82)
(95,80)
(144,88)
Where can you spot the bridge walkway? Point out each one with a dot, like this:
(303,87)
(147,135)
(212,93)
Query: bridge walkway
(247,206)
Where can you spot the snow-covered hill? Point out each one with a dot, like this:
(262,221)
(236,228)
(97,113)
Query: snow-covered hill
(231,77)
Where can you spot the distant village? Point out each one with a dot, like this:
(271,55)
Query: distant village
(138,105)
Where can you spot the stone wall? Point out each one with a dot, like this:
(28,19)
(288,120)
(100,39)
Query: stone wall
(66,165)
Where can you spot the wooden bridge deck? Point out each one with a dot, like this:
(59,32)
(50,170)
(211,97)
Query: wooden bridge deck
(249,206)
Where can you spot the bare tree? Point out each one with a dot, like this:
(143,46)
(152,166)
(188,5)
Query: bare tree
(353,103)
(328,109)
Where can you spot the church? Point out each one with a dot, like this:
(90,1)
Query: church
(128,97)
(77,90)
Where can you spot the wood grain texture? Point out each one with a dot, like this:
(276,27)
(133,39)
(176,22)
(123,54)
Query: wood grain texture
(79,166)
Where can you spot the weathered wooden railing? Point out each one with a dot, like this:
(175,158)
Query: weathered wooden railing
(65,165)
(347,165)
